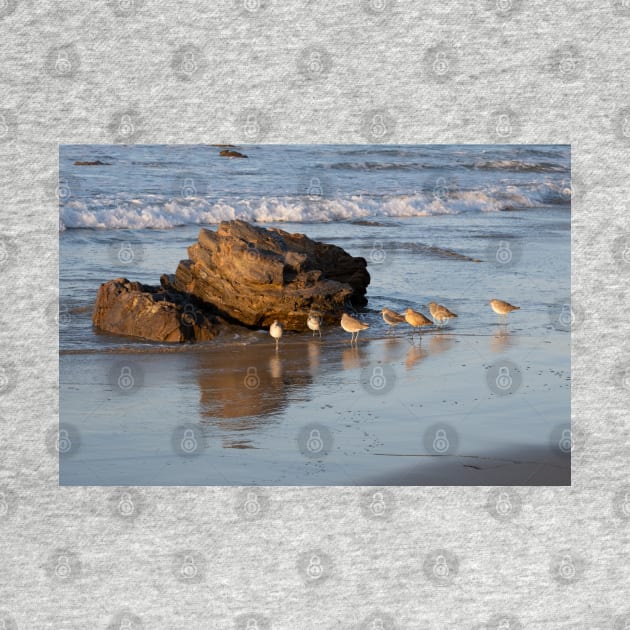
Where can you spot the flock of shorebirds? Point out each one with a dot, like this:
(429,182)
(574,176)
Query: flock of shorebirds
(415,319)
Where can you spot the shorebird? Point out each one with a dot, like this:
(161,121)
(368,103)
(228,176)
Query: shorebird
(353,326)
(502,308)
(314,322)
(440,313)
(415,319)
(391,318)
(275,330)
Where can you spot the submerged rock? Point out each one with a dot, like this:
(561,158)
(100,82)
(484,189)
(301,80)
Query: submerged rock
(231,154)
(94,163)
(254,275)
(156,313)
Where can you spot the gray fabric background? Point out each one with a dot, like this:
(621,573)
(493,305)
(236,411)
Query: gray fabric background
(559,73)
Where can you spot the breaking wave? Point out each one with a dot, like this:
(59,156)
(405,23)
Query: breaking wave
(163,212)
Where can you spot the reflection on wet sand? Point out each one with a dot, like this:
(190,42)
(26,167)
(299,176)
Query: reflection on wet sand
(501,340)
(441,341)
(415,354)
(353,358)
(243,388)
(394,349)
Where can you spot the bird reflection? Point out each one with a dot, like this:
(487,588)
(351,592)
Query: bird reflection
(415,354)
(353,358)
(501,340)
(440,342)
(314,350)
(275,366)
(394,349)
(244,389)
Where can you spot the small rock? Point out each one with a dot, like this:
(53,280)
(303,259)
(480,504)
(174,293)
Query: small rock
(231,154)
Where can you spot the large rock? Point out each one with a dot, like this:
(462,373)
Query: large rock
(155,313)
(254,275)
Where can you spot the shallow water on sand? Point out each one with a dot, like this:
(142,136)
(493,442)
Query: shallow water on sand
(254,434)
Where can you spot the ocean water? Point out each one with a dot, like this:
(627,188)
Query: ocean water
(453,224)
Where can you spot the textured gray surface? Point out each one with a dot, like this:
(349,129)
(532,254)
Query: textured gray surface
(69,73)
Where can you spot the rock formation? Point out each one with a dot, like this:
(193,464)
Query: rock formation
(253,275)
(242,273)
(155,313)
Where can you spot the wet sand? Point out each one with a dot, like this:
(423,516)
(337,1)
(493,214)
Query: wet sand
(252,409)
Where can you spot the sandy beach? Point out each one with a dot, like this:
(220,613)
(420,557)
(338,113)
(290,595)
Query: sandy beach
(477,402)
